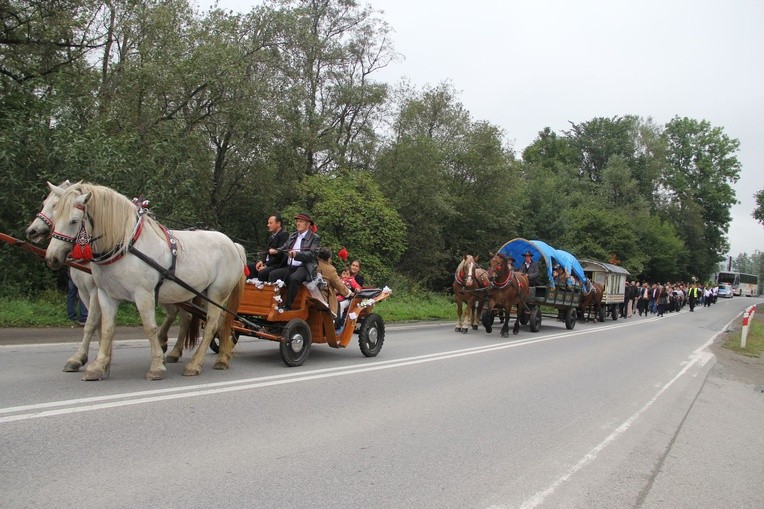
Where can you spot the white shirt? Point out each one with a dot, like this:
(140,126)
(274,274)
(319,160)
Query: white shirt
(293,262)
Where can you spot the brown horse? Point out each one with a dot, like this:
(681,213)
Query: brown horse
(592,301)
(468,280)
(508,288)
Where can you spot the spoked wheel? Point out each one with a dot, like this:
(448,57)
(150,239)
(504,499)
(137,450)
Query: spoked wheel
(215,343)
(570,318)
(535,319)
(295,342)
(524,317)
(371,335)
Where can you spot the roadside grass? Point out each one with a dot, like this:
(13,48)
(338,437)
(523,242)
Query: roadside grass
(754,343)
(404,307)
(49,310)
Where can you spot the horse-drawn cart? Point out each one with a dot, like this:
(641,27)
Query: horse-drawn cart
(546,292)
(310,321)
(613,279)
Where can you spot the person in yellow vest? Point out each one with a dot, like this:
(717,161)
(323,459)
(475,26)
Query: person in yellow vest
(692,296)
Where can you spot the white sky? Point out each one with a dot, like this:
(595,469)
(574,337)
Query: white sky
(526,65)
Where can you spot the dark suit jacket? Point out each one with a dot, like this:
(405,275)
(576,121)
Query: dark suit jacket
(308,253)
(275,241)
(532,270)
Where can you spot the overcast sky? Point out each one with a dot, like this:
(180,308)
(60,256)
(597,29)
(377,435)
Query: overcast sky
(526,65)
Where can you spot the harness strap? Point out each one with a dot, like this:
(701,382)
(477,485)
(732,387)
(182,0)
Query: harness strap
(172,243)
(45,219)
(172,277)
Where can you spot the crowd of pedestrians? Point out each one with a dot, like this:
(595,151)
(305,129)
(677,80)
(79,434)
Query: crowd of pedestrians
(659,299)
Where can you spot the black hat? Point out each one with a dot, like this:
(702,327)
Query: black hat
(527,253)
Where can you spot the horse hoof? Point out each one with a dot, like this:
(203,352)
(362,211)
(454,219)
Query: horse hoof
(220,365)
(464,330)
(72,367)
(155,375)
(457,329)
(515,332)
(91,376)
(505,334)
(172,359)
(488,329)
(474,327)
(191,371)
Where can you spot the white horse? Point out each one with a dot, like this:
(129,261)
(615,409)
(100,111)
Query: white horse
(108,222)
(39,230)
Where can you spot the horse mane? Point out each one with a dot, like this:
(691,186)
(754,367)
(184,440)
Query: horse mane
(113,214)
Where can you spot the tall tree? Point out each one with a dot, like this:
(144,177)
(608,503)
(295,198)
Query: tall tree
(701,168)
(332,50)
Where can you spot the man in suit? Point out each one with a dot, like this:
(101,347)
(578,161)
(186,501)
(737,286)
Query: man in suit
(268,262)
(530,268)
(300,262)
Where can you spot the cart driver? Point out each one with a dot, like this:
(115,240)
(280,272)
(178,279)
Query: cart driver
(530,268)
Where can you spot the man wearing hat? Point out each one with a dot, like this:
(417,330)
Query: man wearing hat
(530,268)
(300,262)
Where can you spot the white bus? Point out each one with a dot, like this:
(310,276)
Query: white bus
(742,284)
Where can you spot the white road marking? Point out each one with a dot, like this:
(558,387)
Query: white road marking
(51,409)
(699,356)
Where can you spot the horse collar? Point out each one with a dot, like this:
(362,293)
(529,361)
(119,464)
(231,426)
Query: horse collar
(119,250)
(506,281)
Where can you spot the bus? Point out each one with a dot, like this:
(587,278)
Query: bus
(742,284)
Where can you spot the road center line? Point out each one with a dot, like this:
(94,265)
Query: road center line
(50,409)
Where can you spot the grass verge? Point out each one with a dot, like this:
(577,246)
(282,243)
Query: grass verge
(754,342)
(49,310)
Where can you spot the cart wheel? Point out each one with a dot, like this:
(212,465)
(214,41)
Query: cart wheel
(371,335)
(524,317)
(215,343)
(535,320)
(486,318)
(295,343)
(614,311)
(570,318)
(601,314)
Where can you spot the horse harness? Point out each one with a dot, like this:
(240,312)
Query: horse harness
(83,252)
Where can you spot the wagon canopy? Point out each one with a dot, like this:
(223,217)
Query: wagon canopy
(540,250)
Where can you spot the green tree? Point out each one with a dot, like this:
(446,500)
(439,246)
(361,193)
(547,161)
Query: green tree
(701,166)
(758,212)
(351,211)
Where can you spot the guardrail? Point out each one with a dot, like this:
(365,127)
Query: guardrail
(747,317)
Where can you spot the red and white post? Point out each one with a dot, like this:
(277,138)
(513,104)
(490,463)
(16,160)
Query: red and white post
(747,317)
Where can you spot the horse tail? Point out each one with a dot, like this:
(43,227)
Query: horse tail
(224,333)
(192,334)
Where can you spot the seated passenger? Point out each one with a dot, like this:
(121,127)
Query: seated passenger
(334,286)
(268,262)
(300,261)
(561,278)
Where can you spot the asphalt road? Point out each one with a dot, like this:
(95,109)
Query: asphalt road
(607,415)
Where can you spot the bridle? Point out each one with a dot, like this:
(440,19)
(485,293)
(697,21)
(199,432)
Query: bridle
(45,219)
(83,240)
(493,274)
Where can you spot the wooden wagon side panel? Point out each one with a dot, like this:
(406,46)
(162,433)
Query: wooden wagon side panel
(258,301)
